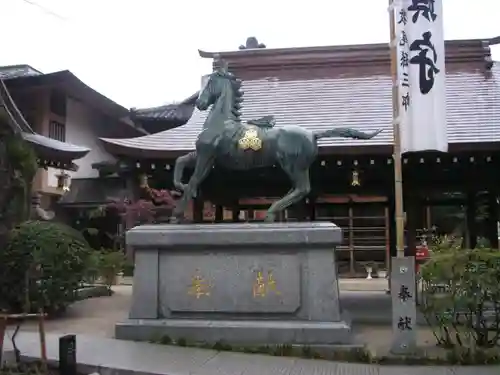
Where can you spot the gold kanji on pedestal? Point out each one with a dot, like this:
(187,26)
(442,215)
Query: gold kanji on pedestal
(199,286)
(263,286)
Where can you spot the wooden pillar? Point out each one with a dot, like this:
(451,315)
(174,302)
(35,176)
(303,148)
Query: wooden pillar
(387,234)
(311,208)
(392,227)
(352,260)
(471,238)
(219,213)
(198,205)
(492,220)
(235,214)
(428,217)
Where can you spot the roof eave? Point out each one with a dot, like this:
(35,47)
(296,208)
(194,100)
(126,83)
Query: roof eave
(120,150)
(46,146)
(78,89)
(153,126)
(465,50)
(494,41)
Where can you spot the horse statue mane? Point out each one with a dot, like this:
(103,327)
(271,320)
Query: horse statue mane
(221,69)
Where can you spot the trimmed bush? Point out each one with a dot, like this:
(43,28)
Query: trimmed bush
(42,266)
(461,298)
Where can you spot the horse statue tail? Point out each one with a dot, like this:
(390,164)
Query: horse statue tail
(345,133)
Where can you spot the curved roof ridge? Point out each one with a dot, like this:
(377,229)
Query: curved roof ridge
(19,125)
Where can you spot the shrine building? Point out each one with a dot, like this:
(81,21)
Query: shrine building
(352,180)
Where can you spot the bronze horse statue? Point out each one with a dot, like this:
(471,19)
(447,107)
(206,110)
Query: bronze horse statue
(229,142)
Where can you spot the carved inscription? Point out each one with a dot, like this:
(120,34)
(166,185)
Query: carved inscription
(199,286)
(263,286)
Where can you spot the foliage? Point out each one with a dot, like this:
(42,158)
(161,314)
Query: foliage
(153,203)
(29,368)
(22,158)
(445,244)
(104,265)
(151,207)
(110,263)
(356,354)
(43,265)
(461,298)
(92,272)
(17,169)
(128,268)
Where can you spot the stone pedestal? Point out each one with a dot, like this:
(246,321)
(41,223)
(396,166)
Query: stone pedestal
(248,284)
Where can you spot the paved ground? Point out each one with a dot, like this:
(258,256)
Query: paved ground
(97,316)
(93,321)
(109,356)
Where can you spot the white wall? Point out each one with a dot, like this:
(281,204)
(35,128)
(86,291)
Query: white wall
(81,123)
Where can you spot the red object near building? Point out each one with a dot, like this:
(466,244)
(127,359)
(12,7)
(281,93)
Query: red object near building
(421,256)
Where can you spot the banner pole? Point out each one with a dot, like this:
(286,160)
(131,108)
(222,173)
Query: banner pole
(398,171)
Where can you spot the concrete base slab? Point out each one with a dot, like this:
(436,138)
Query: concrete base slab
(245,332)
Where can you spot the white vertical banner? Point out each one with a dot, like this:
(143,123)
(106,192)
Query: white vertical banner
(421,75)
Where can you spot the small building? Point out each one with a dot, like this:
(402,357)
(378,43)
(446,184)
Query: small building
(61,107)
(47,151)
(352,180)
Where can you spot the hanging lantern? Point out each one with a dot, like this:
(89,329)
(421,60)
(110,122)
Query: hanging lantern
(143,181)
(355,178)
(63,181)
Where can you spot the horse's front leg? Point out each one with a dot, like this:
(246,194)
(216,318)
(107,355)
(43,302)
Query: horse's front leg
(203,166)
(181,163)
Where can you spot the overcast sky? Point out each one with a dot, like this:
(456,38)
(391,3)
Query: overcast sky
(144,52)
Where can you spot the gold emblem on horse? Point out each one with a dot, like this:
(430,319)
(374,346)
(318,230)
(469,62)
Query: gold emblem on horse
(250,140)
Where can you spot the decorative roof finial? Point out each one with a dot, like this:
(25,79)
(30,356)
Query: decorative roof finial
(252,43)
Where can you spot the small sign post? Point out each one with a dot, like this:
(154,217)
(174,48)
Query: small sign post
(67,355)
(404,308)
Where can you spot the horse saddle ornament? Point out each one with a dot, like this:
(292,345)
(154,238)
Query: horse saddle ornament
(250,140)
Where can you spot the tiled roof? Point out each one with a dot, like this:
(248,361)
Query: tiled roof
(15,71)
(24,76)
(165,117)
(44,146)
(363,103)
(47,149)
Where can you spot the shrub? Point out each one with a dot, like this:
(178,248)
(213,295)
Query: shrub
(152,205)
(93,263)
(128,268)
(461,298)
(42,266)
(110,263)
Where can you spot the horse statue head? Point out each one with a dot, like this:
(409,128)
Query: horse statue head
(221,91)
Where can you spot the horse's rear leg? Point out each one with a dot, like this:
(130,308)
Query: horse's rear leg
(301,188)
